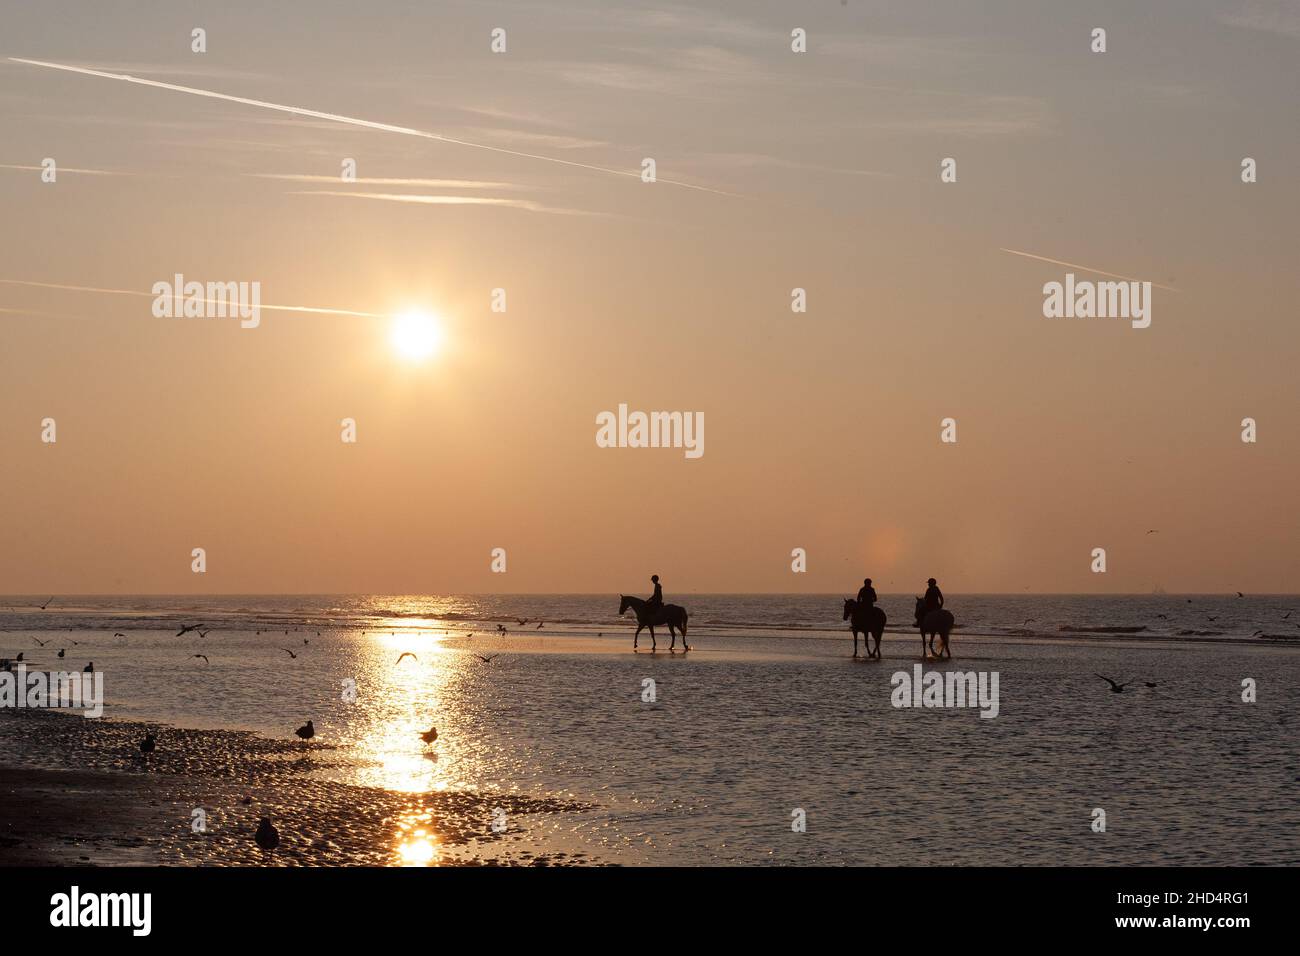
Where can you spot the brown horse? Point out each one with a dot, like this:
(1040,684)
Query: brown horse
(670,614)
(935,622)
(868,619)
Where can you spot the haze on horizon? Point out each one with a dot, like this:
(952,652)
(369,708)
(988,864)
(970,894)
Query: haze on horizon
(820,171)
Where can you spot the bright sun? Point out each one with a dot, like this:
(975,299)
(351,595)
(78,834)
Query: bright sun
(416,335)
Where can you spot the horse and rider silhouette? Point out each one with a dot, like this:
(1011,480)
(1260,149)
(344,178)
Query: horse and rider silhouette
(653,611)
(864,617)
(932,621)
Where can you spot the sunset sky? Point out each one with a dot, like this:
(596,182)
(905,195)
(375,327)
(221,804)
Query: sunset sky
(820,170)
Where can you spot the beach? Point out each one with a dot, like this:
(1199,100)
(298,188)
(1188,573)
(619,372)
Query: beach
(553,749)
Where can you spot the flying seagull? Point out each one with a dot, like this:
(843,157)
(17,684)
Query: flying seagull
(1114,688)
(46,604)
(186,628)
(540,625)
(1154,531)
(406,654)
(1212,618)
(522,621)
(488,659)
(1239,594)
(41,642)
(289,652)
(205,658)
(204,633)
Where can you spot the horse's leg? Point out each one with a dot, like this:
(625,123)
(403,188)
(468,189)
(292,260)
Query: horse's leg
(653,644)
(636,635)
(855,642)
(673,631)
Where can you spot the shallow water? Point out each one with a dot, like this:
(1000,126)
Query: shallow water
(753,724)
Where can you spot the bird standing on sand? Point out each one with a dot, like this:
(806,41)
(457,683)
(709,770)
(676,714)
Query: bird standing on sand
(20,657)
(307,732)
(1114,688)
(147,745)
(267,836)
(62,652)
(89,668)
(430,735)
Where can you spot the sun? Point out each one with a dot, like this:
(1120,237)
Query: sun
(415,335)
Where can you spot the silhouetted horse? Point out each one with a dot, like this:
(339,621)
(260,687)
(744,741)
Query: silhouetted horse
(669,614)
(868,619)
(933,623)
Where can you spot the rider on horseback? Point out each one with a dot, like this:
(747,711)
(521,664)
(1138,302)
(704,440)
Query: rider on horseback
(656,601)
(933,596)
(867,594)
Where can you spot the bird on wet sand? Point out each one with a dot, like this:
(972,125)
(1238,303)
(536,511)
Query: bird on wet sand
(1114,688)
(430,735)
(267,836)
(19,658)
(147,745)
(306,732)
(89,668)
(62,652)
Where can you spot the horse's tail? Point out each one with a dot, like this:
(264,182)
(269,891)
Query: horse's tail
(684,616)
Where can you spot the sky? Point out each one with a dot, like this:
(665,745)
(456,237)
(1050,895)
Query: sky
(775,170)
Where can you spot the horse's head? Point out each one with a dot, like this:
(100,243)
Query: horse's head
(624,604)
(920,609)
(849,604)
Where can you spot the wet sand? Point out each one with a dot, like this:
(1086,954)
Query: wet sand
(79,792)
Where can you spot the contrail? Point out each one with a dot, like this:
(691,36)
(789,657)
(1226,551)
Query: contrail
(354,121)
(1075,265)
(150,295)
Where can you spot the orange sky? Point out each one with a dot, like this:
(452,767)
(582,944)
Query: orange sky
(822,428)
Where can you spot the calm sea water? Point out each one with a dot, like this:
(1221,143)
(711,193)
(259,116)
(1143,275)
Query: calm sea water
(766,716)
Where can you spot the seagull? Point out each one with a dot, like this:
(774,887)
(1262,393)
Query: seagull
(289,652)
(186,628)
(62,652)
(40,642)
(20,657)
(267,836)
(46,604)
(488,659)
(1150,683)
(522,621)
(304,640)
(147,745)
(406,654)
(1028,621)
(1114,688)
(89,668)
(430,735)
(1286,615)
(1154,531)
(205,658)
(204,633)
(307,732)
(118,634)
(1166,616)
(540,625)
(1239,594)
(1212,618)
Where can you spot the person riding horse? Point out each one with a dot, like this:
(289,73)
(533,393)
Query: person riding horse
(655,602)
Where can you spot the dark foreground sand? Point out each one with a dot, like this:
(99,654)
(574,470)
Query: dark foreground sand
(78,792)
